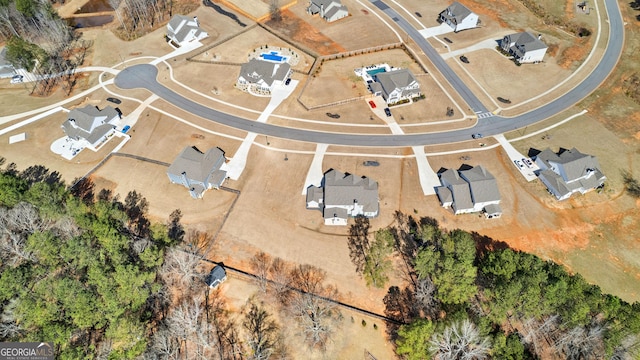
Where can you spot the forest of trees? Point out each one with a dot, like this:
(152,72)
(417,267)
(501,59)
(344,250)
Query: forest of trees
(470,297)
(42,43)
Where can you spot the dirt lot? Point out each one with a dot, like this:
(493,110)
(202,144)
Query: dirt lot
(499,76)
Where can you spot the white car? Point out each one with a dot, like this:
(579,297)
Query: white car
(518,164)
(527,162)
(16,79)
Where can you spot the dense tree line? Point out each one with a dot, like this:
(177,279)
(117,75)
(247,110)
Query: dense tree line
(77,272)
(42,43)
(470,297)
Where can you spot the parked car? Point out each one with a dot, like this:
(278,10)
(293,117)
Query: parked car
(477,136)
(387,111)
(114,100)
(125,129)
(288,81)
(16,79)
(372,104)
(527,162)
(518,164)
(464,59)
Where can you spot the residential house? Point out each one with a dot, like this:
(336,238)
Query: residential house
(330,10)
(342,196)
(90,125)
(469,190)
(259,76)
(568,171)
(395,85)
(524,47)
(183,29)
(459,17)
(198,171)
(217,276)
(6,69)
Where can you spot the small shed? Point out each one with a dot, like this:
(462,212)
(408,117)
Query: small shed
(217,276)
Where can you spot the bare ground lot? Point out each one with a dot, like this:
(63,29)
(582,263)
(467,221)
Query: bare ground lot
(353,32)
(500,77)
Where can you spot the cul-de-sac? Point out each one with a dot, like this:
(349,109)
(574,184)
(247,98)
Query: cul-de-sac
(320,179)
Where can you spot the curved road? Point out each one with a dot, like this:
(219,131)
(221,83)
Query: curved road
(144,76)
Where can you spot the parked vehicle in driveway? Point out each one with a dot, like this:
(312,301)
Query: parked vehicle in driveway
(527,162)
(125,129)
(16,79)
(288,81)
(387,111)
(518,164)
(372,104)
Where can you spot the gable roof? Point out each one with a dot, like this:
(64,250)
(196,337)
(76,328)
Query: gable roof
(396,79)
(89,123)
(179,27)
(456,12)
(256,70)
(523,42)
(198,166)
(483,185)
(217,275)
(342,189)
(459,189)
(574,164)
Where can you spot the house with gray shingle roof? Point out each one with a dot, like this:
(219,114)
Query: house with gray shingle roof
(198,171)
(182,29)
(90,125)
(261,76)
(342,196)
(470,190)
(524,47)
(216,276)
(458,17)
(329,10)
(568,172)
(395,85)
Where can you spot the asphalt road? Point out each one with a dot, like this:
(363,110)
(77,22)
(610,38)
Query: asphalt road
(144,76)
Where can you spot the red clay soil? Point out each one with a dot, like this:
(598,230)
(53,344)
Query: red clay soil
(303,33)
(494,15)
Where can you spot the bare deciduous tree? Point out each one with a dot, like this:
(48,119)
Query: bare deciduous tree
(460,341)
(280,274)
(315,314)
(182,269)
(580,343)
(262,332)
(261,266)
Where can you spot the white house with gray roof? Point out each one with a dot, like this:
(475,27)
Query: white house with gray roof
(459,17)
(568,172)
(342,196)
(198,171)
(183,29)
(259,76)
(329,10)
(470,190)
(524,47)
(395,85)
(90,125)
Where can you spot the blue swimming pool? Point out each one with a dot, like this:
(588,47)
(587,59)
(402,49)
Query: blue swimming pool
(376,71)
(272,57)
